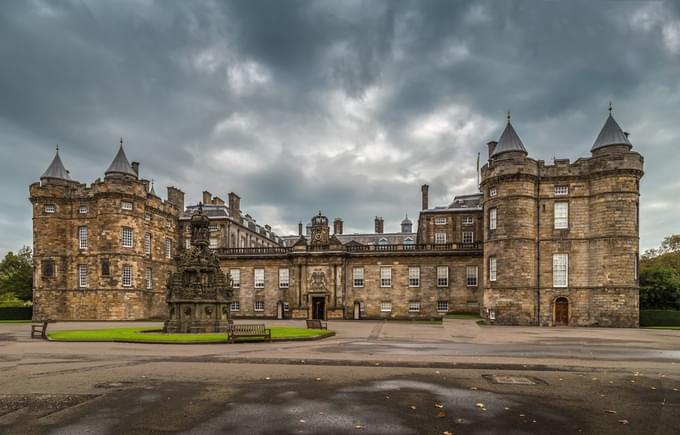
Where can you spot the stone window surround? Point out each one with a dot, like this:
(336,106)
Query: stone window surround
(168,248)
(492,268)
(357,277)
(126,278)
(385,307)
(82,237)
(493,192)
(468,220)
(82,276)
(561,190)
(442,306)
(127,237)
(561,215)
(442,276)
(385,276)
(235,274)
(414,276)
(560,270)
(284,278)
(471,276)
(414,307)
(441,220)
(83,209)
(126,205)
(440,238)
(147,243)
(50,208)
(493,212)
(258,277)
(468,237)
(235,306)
(149,278)
(47,269)
(258,305)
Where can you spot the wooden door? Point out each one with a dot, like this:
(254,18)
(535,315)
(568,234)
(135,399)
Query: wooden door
(561,312)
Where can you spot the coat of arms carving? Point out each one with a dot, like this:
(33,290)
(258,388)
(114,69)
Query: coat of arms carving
(318,281)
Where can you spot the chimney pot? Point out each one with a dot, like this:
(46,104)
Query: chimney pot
(425,189)
(135,167)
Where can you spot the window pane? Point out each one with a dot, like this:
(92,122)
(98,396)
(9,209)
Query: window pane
(440,238)
(259,278)
(442,276)
(358,277)
(492,218)
(468,237)
(386,307)
(414,276)
(127,276)
(235,277)
(235,306)
(471,276)
(560,270)
(82,275)
(561,215)
(149,278)
(492,268)
(284,279)
(443,306)
(82,237)
(127,237)
(385,277)
(414,307)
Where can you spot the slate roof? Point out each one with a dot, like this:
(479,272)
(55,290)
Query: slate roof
(611,134)
(460,203)
(221,211)
(361,239)
(120,164)
(56,169)
(509,142)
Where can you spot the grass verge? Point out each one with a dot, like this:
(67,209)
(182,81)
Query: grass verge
(677,328)
(154,335)
(15,321)
(464,316)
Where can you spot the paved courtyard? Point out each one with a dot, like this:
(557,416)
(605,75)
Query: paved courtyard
(372,377)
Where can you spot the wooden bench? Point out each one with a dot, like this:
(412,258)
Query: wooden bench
(39,329)
(316,324)
(248,330)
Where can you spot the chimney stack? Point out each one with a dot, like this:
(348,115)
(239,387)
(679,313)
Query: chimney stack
(492,147)
(176,197)
(235,206)
(425,189)
(300,228)
(379,225)
(337,226)
(135,167)
(207,197)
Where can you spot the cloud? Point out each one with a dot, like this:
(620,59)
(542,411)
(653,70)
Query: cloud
(345,107)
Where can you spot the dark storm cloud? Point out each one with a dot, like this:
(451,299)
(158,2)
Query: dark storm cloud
(344,106)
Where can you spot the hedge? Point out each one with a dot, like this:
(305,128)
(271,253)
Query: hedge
(16,313)
(659,318)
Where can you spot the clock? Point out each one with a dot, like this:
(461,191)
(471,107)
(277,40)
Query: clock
(317,237)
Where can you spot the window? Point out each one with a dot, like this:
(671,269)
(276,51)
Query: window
(82,209)
(440,238)
(106,269)
(385,277)
(440,220)
(442,306)
(50,208)
(382,241)
(147,216)
(492,268)
(168,248)
(492,192)
(492,218)
(468,237)
(82,237)
(127,237)
(560,268)
(187,243)
(127,276)
(386,307)
(213,227)
(414,276)
(126,205)
(235,275)
(47,268)
(636,264)
(358,277)
(408,241)
(82,275)
(286,306)
(442,276)
(561,215)
(235,306)
(414,307)
(259,278)
(149,278)
(259,305)
(147,243)
(467,220)
(471,276)
(561,190)
(284,279)
(213,244)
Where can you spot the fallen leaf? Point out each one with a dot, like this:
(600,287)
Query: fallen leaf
(624,421)
(610,411)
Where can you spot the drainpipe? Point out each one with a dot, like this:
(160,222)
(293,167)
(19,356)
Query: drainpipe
(538,249)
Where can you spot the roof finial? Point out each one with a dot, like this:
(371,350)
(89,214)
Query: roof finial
(610,106)
(121,141)
(57,148)
(508,116)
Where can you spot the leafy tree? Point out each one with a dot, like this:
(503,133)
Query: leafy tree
(659,288)
(16,274)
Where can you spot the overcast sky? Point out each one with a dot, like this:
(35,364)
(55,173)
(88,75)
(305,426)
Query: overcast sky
(341,106)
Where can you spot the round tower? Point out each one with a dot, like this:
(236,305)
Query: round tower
(615,173)
(508,184)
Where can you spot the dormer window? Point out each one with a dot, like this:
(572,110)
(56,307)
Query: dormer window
(126,205)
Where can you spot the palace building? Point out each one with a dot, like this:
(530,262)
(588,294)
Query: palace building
(538,244)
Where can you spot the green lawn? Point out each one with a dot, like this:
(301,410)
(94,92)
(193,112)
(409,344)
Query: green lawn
(465,316)
(661,327)
(154,335)
(15,321)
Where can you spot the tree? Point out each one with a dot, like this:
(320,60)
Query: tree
(659,288)
(16,274)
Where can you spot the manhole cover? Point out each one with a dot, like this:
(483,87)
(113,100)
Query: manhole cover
(513,379)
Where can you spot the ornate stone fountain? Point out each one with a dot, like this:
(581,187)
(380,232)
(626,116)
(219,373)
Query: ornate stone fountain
(199,294)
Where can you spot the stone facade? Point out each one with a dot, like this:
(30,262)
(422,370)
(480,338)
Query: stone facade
(540,244)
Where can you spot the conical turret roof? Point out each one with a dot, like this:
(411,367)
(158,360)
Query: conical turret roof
(120,164)
(56,169)
(611,134)
(152,191)
(509,141)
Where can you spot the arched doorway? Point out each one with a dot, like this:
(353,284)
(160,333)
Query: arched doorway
(561,311)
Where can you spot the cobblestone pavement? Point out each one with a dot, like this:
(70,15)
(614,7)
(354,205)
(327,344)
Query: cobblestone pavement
(407,377)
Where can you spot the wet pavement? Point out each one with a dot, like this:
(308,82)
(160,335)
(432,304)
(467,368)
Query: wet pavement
(372,377)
